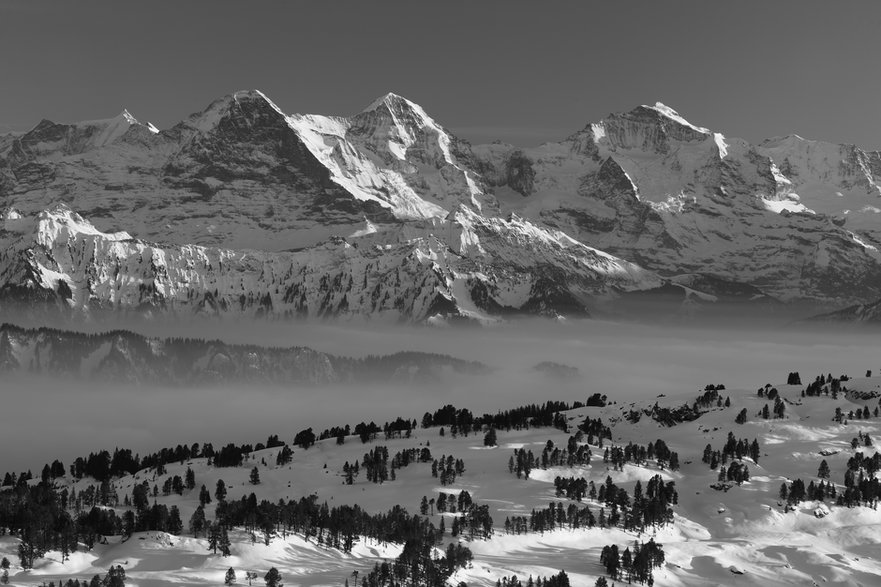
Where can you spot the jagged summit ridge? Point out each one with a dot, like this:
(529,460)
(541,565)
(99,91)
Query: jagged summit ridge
(795,218)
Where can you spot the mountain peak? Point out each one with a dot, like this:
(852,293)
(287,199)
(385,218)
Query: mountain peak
(391,101)
(399,111)
(671,114)
(221,108)
(252,94)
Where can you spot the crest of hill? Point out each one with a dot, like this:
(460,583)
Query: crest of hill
(122,355)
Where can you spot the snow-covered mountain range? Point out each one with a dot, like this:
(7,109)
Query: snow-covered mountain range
(242,208)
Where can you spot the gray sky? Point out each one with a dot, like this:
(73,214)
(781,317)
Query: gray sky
(524,72)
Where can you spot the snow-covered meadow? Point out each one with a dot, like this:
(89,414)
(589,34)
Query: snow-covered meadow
(715,536)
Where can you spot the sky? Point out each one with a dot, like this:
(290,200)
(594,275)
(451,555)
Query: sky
(521,72)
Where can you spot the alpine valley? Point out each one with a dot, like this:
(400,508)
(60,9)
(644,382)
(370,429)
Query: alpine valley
(244,210)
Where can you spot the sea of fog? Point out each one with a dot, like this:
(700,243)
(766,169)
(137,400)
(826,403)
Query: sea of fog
(42,419)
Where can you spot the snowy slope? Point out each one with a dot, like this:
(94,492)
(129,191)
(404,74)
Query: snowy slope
(841,181)
(745,528)
(60,257)
(648,186)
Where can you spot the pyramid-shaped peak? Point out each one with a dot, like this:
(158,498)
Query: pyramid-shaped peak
(391,101)
(253,94)
(397,110)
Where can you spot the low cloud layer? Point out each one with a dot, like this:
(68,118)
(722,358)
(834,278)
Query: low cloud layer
(44,418)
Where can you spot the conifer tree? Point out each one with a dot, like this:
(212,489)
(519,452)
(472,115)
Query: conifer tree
(224,543)
(273,578)
(220,491)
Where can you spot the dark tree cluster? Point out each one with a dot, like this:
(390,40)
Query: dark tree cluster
(861,483)
(304,438)
(795,492)
(375,464)
(366,432)
(734,448)
(284,456)
(369,431)
(474,521)
(709,399)
(102,465)
(778,412)
(173,484)
(595,431)
(823,385)
(339,527)
(335,432)
(398,428)
(273,442)
(447,468)
(858,414)
(404,457)
(737,472)
(793,378)
(552,517)
(230,456)
(350,472)
(115,577)
(574,453)
(416,566)
(521,463)
(40,516)
(640,455)
(861,440)
(561,579)
(462,421)
(451,502)
(768,392)
(644,509)
(636,566)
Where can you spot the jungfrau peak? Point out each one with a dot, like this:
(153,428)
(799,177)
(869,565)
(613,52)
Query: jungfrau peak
(242,208)
(650,187)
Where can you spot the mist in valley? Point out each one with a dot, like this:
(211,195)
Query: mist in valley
(45,418)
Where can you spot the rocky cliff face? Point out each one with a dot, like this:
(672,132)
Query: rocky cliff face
(839,181)
(497,266)
(241,208)
(650,187)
